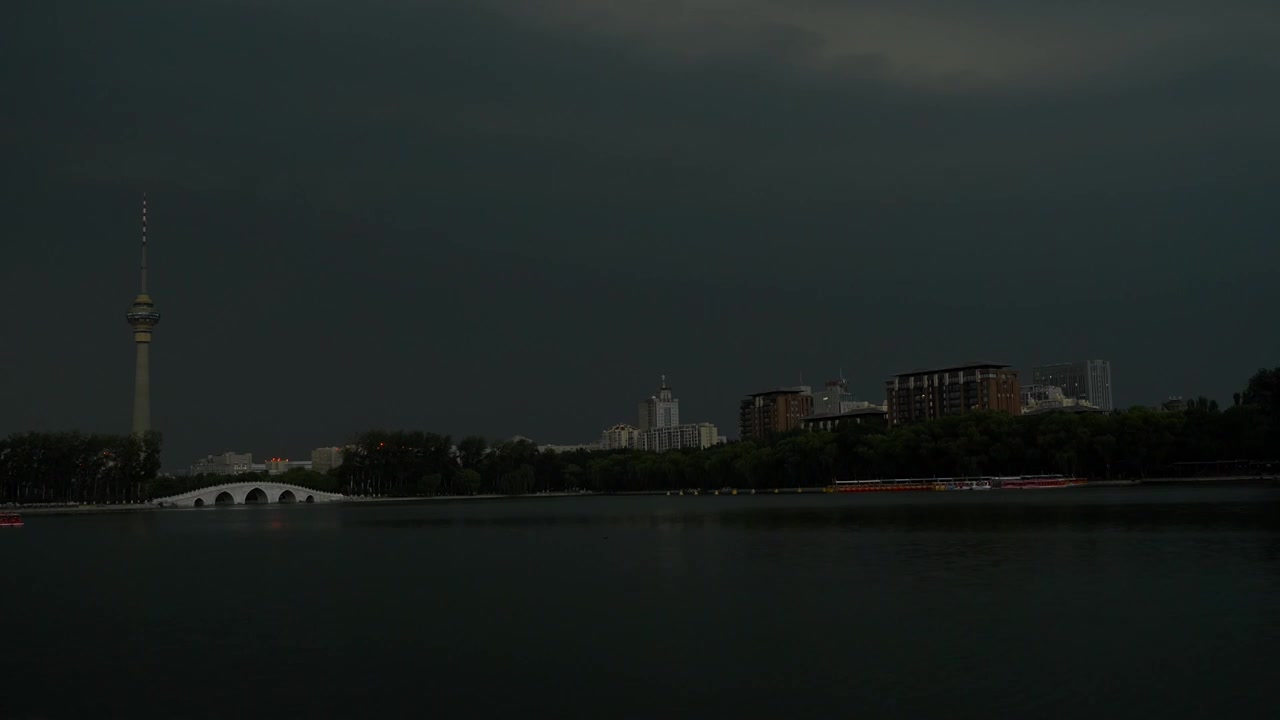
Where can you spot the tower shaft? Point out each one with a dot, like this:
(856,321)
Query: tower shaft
(143,318)
(142,389)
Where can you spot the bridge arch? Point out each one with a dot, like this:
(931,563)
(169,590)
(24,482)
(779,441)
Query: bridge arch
(259,491)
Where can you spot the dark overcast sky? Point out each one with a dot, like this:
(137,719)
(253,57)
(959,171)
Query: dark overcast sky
(504,216)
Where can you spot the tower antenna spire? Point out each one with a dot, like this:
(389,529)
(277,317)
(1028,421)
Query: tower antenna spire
(143,318)
(143,266)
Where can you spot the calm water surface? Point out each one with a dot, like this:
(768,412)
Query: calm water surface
(1122,602)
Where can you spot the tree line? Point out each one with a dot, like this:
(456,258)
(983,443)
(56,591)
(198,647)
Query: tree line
(1132,444)
(74,468)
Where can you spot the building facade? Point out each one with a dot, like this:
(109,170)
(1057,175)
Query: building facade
(930,394)
(582,447)
(773,411)
(1088,380)
(831,422)
(619,437)
(661,410)
(1041,398)
(1033,397)
(228,463)
(280,466)
(835,398)
(692,436)
(325,459)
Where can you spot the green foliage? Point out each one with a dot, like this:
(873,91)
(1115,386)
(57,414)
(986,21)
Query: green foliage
(429,484)
(1263,393)
(469,482)
(75,468)
(1133,444)
(395,463)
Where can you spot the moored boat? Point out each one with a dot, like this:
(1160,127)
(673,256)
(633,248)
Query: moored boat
(983,484)
(861,486)
(11,520)
(1015,482)
(1038,482)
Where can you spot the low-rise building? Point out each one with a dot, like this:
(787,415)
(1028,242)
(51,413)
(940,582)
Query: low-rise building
(228,463)
(692,436)
(325,459)
(280,466)
(1071,408)
(1043,398)
(831,422)
(583,447)
(834,398)
(619,437)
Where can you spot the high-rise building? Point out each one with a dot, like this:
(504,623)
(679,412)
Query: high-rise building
(325,459)
(661,410)
(619,437)
(773,411)
(1088,380)
(930,394)
(143,318)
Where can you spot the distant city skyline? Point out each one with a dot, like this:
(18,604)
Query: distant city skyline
(734,199)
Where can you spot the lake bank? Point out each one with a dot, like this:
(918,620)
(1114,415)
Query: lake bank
(407,500)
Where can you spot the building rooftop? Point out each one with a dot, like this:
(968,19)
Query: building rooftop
(948,368)
(797,390)
(851,413)
(1074,409)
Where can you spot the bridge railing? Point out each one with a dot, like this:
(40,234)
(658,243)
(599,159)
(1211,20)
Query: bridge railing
(227,486)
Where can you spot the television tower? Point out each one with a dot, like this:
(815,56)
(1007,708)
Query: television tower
(143,318)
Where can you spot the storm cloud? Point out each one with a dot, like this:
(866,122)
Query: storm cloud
(504,217)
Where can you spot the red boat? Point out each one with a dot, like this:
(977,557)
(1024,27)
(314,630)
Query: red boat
(10,520)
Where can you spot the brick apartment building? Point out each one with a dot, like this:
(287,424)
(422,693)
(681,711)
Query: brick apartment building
(929,394)
(773,411)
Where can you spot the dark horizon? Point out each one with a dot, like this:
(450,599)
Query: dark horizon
(504,219)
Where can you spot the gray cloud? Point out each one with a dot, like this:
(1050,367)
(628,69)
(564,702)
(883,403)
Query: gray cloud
(934,44)
(508,217)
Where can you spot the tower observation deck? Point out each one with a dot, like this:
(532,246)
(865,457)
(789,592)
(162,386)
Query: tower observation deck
(142,317)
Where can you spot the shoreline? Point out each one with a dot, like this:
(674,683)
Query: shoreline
(406,500)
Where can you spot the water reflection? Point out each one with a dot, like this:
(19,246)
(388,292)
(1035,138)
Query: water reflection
(856,515)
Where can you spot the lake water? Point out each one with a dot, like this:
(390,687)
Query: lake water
(1082,603)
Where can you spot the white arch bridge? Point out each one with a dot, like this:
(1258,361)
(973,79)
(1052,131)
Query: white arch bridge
(247,493)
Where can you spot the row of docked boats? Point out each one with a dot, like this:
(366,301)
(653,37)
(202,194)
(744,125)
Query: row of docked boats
(1014,482)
